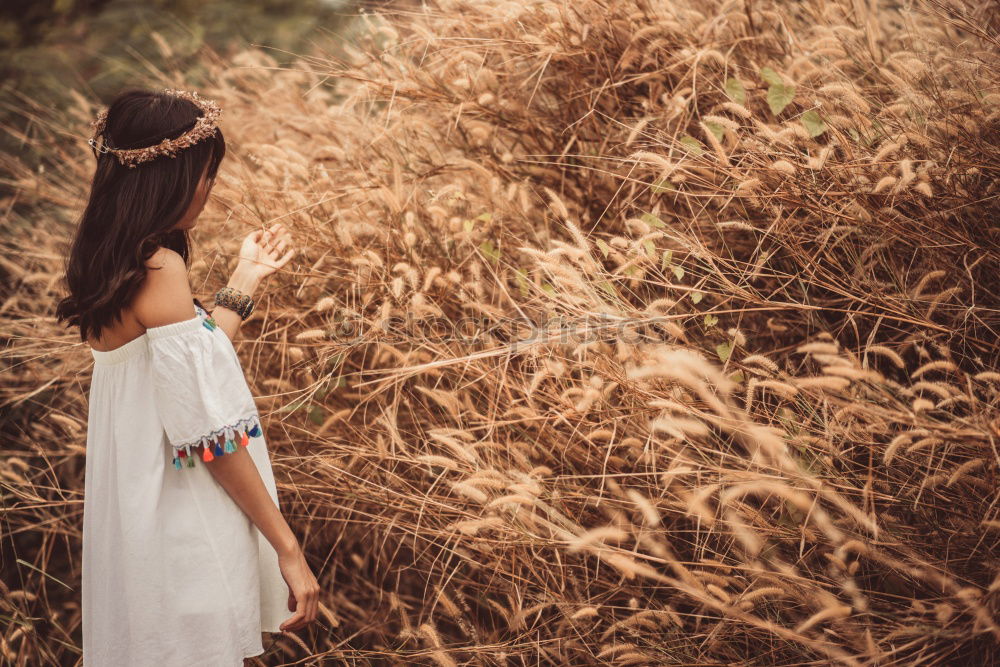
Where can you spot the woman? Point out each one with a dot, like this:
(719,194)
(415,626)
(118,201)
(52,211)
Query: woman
(184,563)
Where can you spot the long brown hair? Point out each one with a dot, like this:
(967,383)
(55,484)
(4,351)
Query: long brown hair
(131,212)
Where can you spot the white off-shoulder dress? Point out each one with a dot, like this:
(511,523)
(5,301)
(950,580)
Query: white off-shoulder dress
(174,572)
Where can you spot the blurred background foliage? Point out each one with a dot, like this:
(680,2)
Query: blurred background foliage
(97,47)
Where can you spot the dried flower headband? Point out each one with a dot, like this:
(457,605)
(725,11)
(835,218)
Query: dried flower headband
(203,128)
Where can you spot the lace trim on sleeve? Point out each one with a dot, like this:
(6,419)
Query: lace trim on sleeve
(239,431)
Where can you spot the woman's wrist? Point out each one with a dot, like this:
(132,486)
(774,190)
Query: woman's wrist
(287,544)
(244,279)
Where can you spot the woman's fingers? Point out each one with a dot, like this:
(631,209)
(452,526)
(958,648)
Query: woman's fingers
(276,230)
(284,259)
(278,243)
(294,623)
(313,599)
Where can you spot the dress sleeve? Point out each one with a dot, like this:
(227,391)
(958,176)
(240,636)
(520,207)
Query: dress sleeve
(200,390)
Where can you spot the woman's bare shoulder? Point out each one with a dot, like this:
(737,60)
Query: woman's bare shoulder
(165,258)
(165,296)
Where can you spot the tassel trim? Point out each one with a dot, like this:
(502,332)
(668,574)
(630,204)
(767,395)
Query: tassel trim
(235,435)
(206,320)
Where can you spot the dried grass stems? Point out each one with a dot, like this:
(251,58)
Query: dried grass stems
(773,437)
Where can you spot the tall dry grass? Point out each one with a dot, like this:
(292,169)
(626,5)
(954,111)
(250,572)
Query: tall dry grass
(771,439)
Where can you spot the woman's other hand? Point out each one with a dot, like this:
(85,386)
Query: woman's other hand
(303,589)
(265,251)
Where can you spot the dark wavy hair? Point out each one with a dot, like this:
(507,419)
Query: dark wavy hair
(132,212)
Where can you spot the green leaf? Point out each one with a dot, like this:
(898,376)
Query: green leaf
(679,272)
(813,123)
(650,249)
(662,186)
(522,280)
(724,350)
(692,145)
(779,96)
(668,257)
(735,90)
(294,405)
(486,247)
(771,76)
(737,377)
(469,224)
(317,415)
(607,287)
(548,289)
(711,320)
(717,130)
(605,248)
(696,297)
(651,219)
(854,134)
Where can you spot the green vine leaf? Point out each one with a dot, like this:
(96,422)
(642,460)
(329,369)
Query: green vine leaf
(317,415)
(605,248)
(696,297)
(487,248)
(779,96)
(652,220)
(692,145)
(668,257)
(813,123)
(724,350)
(736,91)
(522,281)
(711,320)
(771,76)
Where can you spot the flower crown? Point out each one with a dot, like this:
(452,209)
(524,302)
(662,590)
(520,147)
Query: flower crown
(203,128)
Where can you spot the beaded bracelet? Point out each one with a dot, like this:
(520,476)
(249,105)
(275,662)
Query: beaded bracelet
(227,297)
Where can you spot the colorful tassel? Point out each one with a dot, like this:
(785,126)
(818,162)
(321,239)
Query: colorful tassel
(209,323)
(232,440)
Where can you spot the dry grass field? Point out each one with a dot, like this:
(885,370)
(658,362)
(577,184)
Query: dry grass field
(624,333)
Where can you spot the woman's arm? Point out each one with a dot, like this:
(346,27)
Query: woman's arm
(245,280)
(165,298)
(260,256)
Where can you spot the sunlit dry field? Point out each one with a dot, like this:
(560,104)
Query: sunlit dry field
(623,333)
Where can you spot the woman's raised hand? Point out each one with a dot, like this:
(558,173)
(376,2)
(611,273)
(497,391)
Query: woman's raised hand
(265,251)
